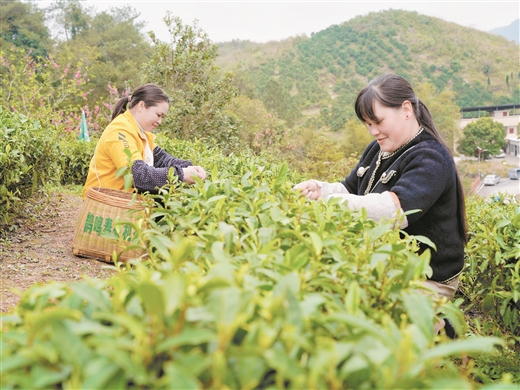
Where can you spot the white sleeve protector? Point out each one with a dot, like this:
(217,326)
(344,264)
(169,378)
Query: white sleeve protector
(330,188)
(378,206)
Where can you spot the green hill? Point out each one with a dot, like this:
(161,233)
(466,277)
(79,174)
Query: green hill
(323,73)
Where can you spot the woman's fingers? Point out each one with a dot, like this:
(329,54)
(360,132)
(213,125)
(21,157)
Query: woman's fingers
(308,189)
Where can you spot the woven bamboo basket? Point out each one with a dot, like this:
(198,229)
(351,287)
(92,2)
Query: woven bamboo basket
(99,232)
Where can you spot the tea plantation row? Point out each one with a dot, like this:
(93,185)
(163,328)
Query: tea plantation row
(248,285)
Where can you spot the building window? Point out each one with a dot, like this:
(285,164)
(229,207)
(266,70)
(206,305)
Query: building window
(505,113)
(511,130)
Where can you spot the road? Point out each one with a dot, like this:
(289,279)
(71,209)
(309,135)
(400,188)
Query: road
(505,185)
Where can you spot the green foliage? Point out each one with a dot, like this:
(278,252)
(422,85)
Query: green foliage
(357,138)
(109,44)
(23,25)
(185,68)
(491,280)
(483,133)
(336,116)
(41,89)
(316,155)
(278,100)
(444,111)
(247,285)
(258,128)
(28,160)
(33,157)
(75,159)
(70,17)
(473,94)
(501,366)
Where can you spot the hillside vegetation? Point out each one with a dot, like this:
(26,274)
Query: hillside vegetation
(322,74)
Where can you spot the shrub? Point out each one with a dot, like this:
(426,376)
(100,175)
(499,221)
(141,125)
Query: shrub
(186,69)
(246,285)
(491,279)
(33,156)
(28,160)
(41,89)
(75,159)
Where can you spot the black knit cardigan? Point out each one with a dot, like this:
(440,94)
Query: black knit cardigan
(423,176)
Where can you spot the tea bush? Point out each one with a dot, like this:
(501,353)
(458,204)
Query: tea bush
(246,285)
(32,156)
(28,159)
(75,158)
(491,280)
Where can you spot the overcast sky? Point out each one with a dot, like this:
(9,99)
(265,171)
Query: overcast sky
(262,21)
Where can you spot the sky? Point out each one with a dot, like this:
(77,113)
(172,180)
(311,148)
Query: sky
(263,21)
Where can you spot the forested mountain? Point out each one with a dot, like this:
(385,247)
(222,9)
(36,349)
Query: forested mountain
(323,73)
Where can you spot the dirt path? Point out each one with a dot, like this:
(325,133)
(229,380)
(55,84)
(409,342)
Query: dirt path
(40,250)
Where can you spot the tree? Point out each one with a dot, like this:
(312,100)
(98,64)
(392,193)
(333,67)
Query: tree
(185,68)
(23,25)
(110,46)
(259,129)
(357,137)
(484,133)
(70,18)
(277,99)
(444,111)
(316,154)
(41,89)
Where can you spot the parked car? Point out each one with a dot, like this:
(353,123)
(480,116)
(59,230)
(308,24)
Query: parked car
(491,180)
(500,155)
(514,173)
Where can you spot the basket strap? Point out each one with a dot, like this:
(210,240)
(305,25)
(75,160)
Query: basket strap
(95,167)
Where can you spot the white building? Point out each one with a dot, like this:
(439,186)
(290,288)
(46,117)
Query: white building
(507,114)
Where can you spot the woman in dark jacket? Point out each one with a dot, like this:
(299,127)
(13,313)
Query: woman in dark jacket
(407,167)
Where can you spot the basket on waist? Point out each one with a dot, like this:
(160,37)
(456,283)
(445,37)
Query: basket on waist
(105,225)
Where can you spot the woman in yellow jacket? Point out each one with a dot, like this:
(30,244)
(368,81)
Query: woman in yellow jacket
(134,119)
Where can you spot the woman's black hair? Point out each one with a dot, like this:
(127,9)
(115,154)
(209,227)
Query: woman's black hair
(391,91)
(150,94)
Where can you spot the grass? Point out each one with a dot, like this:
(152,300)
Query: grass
(73,189)
(501,367)
(469,170)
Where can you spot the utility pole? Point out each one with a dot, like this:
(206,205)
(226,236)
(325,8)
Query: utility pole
(479,151)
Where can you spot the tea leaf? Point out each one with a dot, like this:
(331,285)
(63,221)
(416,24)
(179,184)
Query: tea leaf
(153,298)
(189,336)
(176,378)
(419,309)
(316,243)
(457,347)
(93,295)
(99,372)
(44,377)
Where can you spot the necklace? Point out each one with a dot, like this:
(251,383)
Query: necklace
(385,155)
